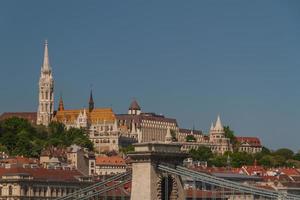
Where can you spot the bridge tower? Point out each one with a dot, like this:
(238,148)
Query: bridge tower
(149,183)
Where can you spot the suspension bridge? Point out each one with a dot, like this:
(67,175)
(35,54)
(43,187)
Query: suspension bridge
(157,174)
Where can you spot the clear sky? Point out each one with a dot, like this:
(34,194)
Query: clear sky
(190,60)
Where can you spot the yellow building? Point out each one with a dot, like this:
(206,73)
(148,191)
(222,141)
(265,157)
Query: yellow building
(100,123)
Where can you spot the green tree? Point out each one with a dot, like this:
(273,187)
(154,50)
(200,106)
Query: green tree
(19,137)
(296,156)
(239,159)
(218,161)
(266,161)
(125,150)
(285,153)
(202,153)
(230,134)
(190,138)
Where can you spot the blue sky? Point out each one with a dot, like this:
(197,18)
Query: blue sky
(190,60)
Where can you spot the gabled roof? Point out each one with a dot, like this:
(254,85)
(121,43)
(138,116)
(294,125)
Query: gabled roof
(252,141)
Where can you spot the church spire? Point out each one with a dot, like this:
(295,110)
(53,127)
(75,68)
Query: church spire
(61,104)
(91,102)
(219,124)
(46,64)
(46,91)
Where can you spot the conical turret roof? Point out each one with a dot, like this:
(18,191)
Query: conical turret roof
(219,125)
(134,105)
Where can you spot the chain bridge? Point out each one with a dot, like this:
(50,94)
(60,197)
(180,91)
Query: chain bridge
(157,174)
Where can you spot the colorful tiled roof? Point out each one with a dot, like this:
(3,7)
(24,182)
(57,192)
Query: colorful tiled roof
(97,114)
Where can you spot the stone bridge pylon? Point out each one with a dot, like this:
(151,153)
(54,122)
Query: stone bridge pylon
(149,183)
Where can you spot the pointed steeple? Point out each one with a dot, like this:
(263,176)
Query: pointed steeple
(46,64)
(212,126)
(61,104)
(168,138)
(91,102)
(219,124)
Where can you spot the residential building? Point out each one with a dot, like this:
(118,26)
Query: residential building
(249,144)
(81,159)
(110,165)
(39,183)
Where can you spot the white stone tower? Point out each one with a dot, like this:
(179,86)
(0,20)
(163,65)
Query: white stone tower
(46,87)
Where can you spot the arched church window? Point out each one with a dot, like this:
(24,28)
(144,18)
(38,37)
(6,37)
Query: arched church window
(46,94)
(42,95)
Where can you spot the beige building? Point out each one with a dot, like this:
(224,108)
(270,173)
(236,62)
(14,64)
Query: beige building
(100,123)
(249,144)
(110,165)
(145,127)
(217,141)
(39,183)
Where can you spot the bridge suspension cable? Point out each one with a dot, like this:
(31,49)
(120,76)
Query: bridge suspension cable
(93,188)
(215,181)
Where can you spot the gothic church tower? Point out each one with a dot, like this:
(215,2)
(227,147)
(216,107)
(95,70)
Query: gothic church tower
(46,86)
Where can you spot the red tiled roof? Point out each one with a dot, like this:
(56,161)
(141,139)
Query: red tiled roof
(253,141)
(216,169)
(289,171)
(30,116)
(20,160)
(43,173)
(112,160)
(254,170)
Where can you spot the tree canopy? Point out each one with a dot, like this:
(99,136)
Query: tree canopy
(19,137)
(190,138)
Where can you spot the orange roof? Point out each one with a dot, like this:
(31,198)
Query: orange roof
(112,160)
(97,114)
(20,160)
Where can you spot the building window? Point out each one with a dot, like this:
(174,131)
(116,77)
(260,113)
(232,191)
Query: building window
(10,190)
